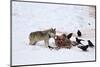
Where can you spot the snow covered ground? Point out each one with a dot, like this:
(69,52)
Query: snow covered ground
(29,17)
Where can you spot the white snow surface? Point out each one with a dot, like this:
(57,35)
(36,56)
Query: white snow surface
(29,17)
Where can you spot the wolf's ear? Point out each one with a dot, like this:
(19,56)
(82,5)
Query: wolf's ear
(69,35)
(54,29)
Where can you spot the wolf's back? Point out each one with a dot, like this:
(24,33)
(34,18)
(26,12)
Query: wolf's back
(39,35)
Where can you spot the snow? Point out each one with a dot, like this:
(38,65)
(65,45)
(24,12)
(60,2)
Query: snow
(29,17)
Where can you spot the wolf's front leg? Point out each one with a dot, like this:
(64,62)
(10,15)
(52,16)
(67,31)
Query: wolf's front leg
(46,43)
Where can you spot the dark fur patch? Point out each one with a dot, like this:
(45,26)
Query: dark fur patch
(62,42)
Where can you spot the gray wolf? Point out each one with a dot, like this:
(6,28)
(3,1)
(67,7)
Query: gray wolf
(45,35)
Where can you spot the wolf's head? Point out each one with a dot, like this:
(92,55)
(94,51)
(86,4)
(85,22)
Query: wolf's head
(52,32)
